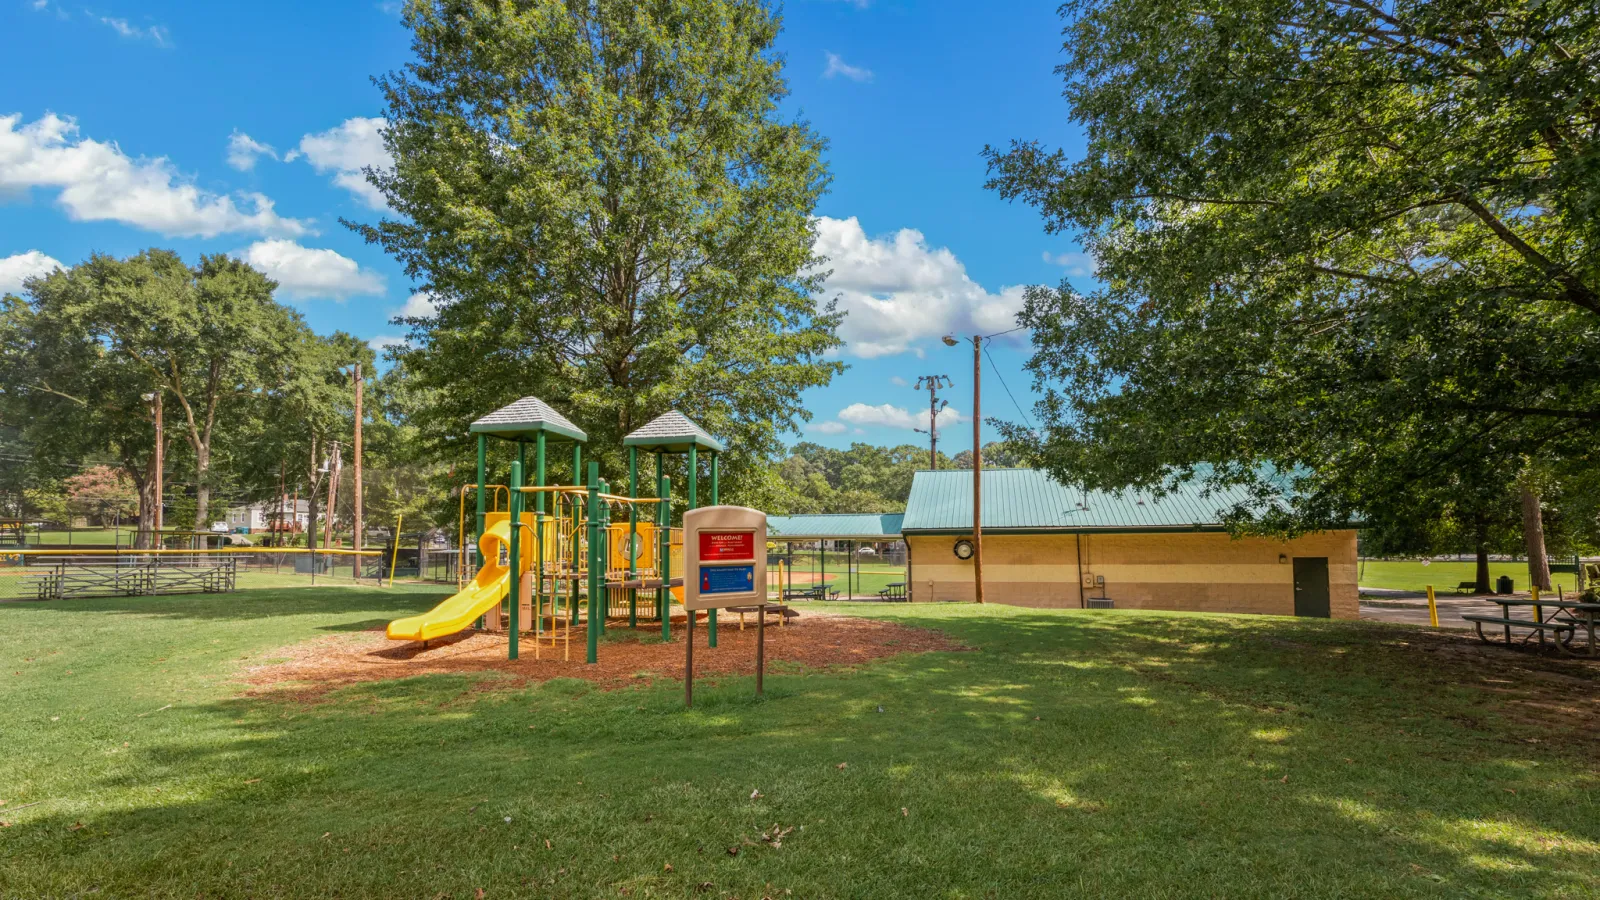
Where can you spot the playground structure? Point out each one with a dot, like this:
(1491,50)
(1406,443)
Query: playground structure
(581,553)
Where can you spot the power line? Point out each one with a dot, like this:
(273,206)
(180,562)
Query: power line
(1003,384)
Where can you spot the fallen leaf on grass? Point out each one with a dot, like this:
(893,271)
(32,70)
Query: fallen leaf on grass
(251,780)
(75,826)
(667,867)
(756,794)
(704,886)
(842,766)
(480,894)
(547,843)
(732,851)
(1284,779)
(904,812)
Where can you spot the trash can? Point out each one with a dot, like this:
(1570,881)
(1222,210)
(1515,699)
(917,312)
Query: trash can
(1503,585)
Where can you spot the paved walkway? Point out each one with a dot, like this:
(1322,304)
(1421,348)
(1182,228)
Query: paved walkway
(1415,612)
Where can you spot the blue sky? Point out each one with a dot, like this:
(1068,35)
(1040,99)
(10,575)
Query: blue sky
(241,128)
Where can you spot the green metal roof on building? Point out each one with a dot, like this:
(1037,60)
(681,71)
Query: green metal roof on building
(836,527)
(672,432)
(1030,500)
(524,419)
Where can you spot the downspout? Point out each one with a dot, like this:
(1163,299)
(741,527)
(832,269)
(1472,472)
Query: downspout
(1077,538)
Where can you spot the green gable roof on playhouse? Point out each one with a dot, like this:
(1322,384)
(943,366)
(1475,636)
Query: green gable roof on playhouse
(1030,500)
(672,432)
(525,419)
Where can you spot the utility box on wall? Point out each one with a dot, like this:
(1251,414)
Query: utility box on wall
(725,557)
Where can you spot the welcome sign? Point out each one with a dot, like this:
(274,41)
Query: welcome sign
(725,557)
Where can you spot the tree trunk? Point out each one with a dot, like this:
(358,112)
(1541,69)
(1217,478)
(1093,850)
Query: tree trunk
(202,486)
(1533,538)
(1481,540)
(146,486)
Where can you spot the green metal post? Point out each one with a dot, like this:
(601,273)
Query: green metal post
(595,614)
(577,479)
(716,498)
(483,465)
(538,534)
(633,536)
(602,555)
(514,507)
(694,503)
(664,548)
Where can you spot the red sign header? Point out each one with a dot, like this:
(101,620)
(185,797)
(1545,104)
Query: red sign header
(715,545)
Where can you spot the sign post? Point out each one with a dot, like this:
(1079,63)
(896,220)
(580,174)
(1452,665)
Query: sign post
(725,564)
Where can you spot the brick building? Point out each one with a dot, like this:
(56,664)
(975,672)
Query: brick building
(1048,545)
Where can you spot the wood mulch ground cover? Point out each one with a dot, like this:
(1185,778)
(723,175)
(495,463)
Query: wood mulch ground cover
(811,641)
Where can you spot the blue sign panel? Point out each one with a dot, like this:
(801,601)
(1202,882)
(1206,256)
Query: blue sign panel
(727,579)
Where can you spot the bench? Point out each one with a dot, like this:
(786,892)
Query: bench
(1468,587)
(1560,628)
(784,613)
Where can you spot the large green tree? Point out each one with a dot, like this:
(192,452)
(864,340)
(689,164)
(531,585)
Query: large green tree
(610,213)
(92,346)
(1347,250)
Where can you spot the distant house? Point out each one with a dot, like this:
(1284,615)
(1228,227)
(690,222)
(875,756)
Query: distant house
(259,518)
(1048,545)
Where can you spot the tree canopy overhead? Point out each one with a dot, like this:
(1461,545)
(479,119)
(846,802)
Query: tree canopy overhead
(1355,241)
(606,206)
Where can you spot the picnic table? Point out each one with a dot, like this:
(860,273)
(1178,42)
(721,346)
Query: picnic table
(1564,619)
(816,592)
(894,590)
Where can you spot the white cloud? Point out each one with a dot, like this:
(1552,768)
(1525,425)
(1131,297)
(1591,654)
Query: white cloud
(420,305)
(346,150)
(837,66)
(384,341)
(897,291)
(889,416)
(897,381)
(828,428)
(1078,265)
(13,269)
(302,272)
(98,182)
(243,150)
(156,33)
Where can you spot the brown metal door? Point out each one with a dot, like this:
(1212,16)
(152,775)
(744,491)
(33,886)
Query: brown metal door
(1311,587)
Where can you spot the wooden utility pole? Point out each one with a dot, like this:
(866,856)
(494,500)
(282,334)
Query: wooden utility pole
(977,467)
(356,560)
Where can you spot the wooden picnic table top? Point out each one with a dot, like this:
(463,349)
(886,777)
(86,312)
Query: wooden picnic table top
(1545,601)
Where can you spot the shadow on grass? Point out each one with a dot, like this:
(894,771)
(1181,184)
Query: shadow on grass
(256,603)
(1139,755)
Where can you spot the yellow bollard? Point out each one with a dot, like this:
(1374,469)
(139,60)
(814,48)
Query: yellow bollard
(1538,614)
(1433,609)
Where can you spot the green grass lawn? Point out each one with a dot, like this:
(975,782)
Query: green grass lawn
(1068,754)
(1412,575)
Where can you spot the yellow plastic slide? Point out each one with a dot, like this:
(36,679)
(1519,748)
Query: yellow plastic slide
(490,586)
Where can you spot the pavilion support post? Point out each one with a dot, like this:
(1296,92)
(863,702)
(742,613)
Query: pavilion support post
(577,478)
